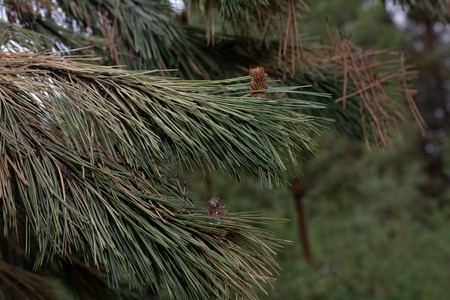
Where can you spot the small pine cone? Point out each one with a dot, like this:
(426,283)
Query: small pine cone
(258,81)
(215,208)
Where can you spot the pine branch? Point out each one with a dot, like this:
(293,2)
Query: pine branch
(46,31)
(246,20)
(371,90)
(378,82)
(85,149)
(237,7)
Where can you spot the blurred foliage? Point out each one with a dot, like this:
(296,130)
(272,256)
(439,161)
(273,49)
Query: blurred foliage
(374,233)
(378,220)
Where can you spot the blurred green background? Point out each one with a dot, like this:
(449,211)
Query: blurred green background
(377,221)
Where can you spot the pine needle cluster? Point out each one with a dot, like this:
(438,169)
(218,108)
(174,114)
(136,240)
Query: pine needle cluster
(90,138)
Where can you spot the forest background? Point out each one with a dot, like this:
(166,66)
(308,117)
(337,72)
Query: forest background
(377,220)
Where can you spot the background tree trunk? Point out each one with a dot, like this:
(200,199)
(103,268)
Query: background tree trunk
(298,191)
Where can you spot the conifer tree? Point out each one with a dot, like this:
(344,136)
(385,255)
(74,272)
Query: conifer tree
(101,100)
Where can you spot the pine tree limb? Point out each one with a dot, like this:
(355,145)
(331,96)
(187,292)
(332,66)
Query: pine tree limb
(81,148)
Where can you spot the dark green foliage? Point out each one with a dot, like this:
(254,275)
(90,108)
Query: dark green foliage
(441,8)
(237,7)
(17,283)
(374,231)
